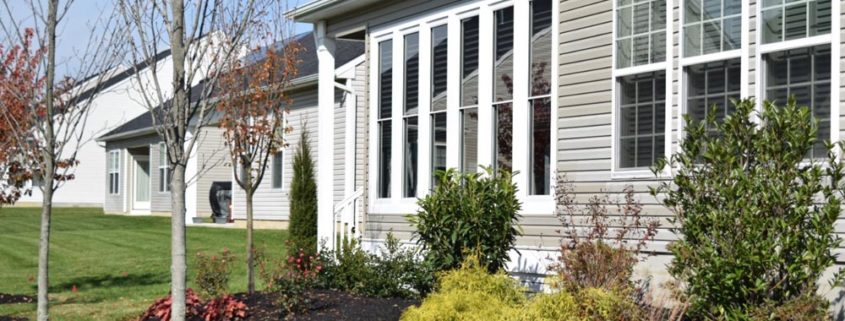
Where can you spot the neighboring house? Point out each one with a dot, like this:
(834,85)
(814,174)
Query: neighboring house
(117,101)
(137,174)
(594,89)
(271,200)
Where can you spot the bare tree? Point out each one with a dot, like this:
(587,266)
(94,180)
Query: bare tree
(50,126)
(201,36)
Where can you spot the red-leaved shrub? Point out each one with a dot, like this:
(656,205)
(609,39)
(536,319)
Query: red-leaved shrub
(160,310)
(225,308)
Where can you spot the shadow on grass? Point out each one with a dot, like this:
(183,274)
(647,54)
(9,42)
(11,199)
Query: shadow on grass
(5,318)
(109,281)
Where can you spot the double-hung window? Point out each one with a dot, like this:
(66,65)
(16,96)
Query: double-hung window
(469,94)
(439,98)
(640,80)
(503,88)
(384,113)
(411,118)
(540,97)
(711,57)
(114,172)
(796,57)
(163,169)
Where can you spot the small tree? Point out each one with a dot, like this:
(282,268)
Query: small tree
(253,120)
(303,198)
(755,217)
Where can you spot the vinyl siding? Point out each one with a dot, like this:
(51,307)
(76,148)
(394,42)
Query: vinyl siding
(160,200)
(213,156)
(115,203)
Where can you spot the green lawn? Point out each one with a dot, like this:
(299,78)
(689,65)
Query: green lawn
(119,264)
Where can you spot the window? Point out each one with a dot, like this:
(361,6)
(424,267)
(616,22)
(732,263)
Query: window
(114,172)
(503,89)
(540,100)
(439,95)
(711,26)
(711,85)
(469,94)
(385,111)
(641,119)
(277,170)
(795,19)
(805,74)
(412,93)
(163,169)
(640,32)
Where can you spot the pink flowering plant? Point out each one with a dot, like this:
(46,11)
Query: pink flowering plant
(213,273)
(297,275)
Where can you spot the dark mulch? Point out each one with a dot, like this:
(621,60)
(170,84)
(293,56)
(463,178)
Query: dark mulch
(329,306)
(15,298)
(5,318)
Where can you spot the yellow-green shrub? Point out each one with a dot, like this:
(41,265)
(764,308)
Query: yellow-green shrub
(472,294)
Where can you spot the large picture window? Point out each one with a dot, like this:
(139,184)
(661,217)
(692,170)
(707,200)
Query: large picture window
(641,119)
(439,95)
(540,97)
(503,88)
(114,172)
(805,74)
(640,32)
(469,94)
(385,112)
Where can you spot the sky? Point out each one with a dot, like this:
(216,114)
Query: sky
(72,33)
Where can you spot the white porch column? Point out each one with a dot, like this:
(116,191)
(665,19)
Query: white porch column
(325,137)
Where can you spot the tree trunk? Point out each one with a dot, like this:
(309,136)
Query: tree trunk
(44,247)
(250,257)
(178,268)
(49,164)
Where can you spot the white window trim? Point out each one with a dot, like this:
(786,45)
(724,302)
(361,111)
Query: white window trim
(833,39)
(111,170)
(617,173)
(452,16)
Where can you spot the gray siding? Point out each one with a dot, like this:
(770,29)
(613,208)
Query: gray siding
(115,203)
(160,201)
(212,158)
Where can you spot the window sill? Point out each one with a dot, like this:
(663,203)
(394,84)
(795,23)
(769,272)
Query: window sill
(394,206)
(633,173)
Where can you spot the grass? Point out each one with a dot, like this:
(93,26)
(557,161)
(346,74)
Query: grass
(119,264)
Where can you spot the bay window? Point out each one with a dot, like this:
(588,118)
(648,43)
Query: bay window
(540,100)
(503,89)
(411,120)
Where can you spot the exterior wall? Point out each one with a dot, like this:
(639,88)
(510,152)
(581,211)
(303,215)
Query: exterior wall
(270,203)
(111,108)
(120,203)
(159,201)
(212,166)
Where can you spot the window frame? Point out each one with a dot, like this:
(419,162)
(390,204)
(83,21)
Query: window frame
(277,167)
(163,170)
(833,39)
(452,16)
(616,171)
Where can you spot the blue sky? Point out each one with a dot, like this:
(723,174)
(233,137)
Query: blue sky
(73,31)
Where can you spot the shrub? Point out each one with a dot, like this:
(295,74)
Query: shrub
(395,272)
(303,199)
(601,243)
(468,211)
(299,276)
(213,273)
(757,217)
(225,308)
(470,293)
(160,309)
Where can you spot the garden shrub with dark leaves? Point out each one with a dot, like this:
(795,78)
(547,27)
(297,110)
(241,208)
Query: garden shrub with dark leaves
(160,309)
(755,200)
(225,308)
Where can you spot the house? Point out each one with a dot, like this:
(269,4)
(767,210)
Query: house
(138,173)
(117,99)
(594,89)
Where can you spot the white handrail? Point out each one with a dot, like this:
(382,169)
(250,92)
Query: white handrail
(348,201)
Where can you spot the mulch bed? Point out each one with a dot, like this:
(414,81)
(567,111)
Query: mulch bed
(329,306)
(15,298)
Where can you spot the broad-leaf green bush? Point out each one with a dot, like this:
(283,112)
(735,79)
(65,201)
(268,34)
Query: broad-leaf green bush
(754,215)
(468,211)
